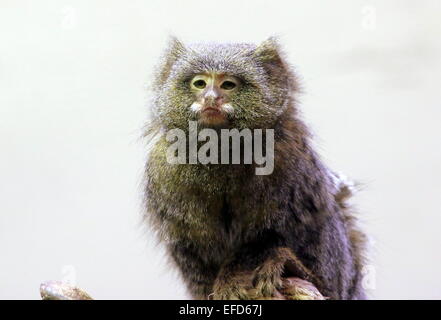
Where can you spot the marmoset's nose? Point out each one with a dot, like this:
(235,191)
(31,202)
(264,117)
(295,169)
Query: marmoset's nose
(212,97)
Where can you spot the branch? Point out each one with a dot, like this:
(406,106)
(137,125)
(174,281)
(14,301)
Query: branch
(293,289)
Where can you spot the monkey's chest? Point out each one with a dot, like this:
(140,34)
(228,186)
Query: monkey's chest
(206,205)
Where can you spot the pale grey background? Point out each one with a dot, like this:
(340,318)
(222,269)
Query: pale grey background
(73,78)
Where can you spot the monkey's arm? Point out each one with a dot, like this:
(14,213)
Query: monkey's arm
(264,270)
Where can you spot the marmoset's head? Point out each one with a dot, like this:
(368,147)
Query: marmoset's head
(223,85)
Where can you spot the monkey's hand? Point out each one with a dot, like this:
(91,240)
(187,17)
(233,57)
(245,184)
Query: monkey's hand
(278,277)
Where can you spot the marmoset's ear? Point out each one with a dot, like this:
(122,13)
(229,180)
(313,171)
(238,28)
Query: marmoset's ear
(270,56)
(175,49)
(269,51)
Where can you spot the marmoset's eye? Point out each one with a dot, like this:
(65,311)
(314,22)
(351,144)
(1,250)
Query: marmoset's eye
(200,84)
(228,85)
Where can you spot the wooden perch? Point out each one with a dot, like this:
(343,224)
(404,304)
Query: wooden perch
(58,290)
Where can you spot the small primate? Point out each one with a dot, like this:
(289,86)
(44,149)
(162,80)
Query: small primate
(234,234)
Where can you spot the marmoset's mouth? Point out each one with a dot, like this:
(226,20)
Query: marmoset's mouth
(212,116)
(211,109)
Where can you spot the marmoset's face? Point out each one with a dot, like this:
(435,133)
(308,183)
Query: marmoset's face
(222,85)
(213,93)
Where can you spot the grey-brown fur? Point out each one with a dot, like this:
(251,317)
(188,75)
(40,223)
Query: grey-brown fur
(234,234)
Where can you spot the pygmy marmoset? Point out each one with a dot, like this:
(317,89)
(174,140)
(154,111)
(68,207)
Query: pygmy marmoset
(232,233)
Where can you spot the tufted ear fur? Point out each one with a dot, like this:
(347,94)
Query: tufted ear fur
(271,58)
(175,49)
(268,51)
